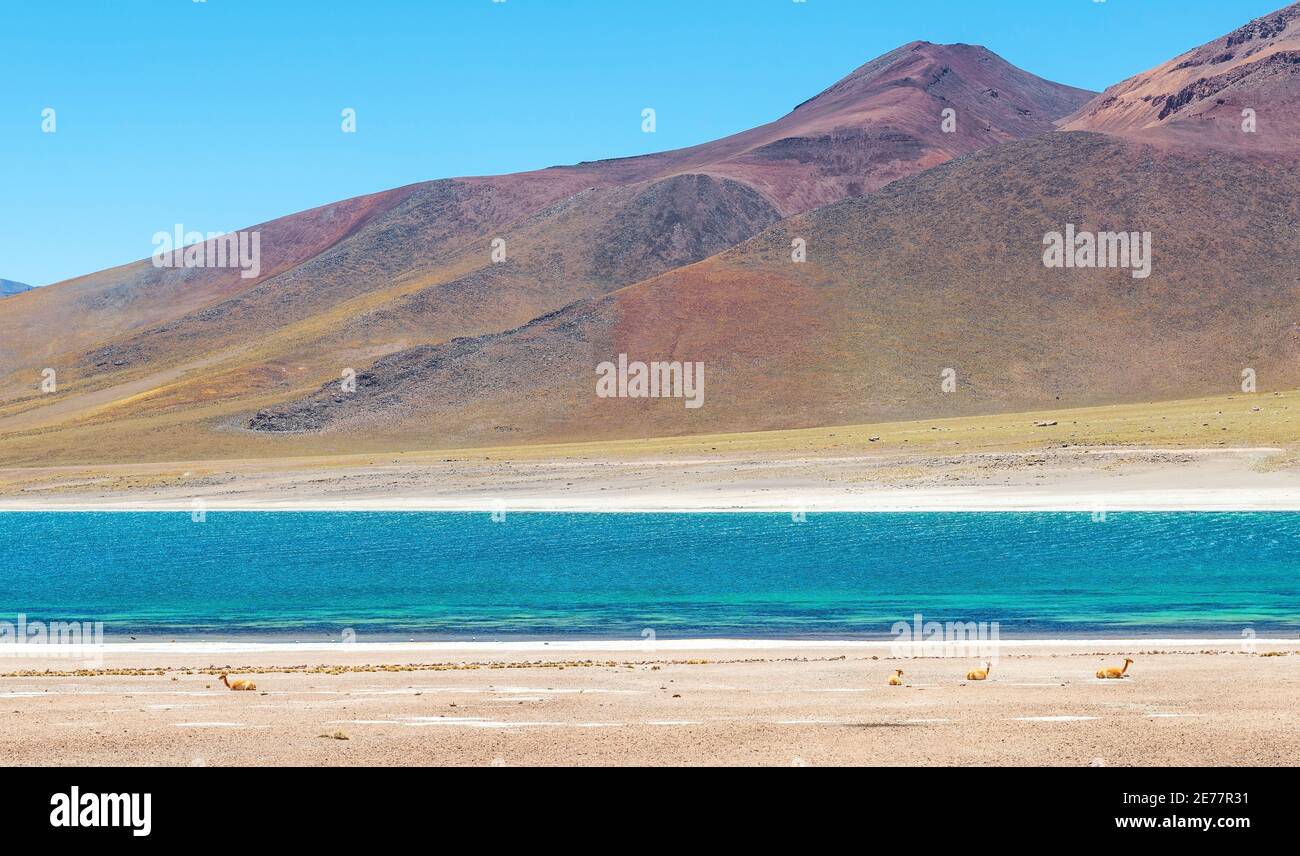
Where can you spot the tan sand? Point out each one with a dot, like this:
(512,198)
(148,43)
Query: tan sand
(1189,703)
(1115,479)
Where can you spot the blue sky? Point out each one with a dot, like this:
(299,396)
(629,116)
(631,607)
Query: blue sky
(225,113)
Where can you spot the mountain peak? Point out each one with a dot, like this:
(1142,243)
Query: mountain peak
(884,120)
(896,65)
(947,73)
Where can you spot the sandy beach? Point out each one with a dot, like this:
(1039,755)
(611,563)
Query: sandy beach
(1186,702)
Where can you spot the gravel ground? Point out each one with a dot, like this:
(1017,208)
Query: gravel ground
(1181,706)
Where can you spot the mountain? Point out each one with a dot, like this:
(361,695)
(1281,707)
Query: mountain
(878,124)
(135,297)
(345,284)
(943,270)
(8,287)
(1203,96)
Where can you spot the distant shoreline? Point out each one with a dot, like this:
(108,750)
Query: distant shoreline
(973,499)
(692,480)
(635,646)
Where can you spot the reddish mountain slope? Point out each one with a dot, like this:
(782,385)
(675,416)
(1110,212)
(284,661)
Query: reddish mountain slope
(347,282)
(942,270)
(1199,98)
(43,324)
(880,123)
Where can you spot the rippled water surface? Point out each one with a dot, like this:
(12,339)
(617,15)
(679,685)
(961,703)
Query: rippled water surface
(439,575)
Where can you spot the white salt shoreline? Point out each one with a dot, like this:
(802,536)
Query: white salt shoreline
(1051,479)
(641,646)
(967,499)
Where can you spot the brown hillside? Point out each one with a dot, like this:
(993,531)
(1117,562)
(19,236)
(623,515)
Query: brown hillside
(346,283)
(940,270)
(1199,98)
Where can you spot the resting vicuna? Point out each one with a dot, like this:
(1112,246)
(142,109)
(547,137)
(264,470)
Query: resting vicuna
(1113,672)
(238,684)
